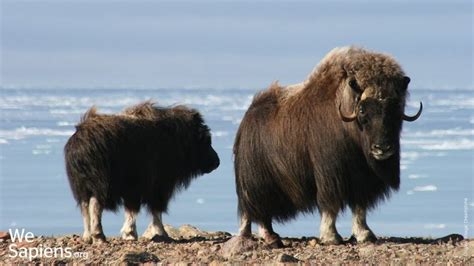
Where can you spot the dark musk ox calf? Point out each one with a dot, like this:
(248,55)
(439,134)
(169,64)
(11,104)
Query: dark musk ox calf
(139,157)
(329,142)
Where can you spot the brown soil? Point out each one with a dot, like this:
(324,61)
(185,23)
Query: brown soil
(190,245)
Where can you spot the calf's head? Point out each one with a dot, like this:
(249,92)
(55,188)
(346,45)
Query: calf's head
(206,157)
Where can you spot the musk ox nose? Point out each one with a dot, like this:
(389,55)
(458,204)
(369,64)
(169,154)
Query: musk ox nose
(212,163)
(381,151)
(216,163)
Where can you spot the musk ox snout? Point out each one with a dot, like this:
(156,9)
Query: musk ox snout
(381,151)
(210,161)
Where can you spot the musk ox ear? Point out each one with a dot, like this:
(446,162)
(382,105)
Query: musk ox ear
(406,81)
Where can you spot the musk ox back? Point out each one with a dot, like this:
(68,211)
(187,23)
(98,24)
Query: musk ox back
(139,157)
(326,143)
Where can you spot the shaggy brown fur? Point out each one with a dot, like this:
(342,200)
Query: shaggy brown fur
(139,157)
(293,153)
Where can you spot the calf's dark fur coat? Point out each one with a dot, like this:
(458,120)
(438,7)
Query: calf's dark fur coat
(139,157)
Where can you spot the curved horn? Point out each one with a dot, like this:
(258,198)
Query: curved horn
(349,118)
(415,117)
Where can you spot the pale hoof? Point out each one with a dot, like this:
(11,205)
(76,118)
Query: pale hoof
(149,234)
(87,239)
(366,237)
(99,239)
(129,236)
(331,240)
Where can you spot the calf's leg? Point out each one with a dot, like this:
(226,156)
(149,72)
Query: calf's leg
(95,213)
(360,229)
(156,227)
(245,229)
(328,231)
(271,238)
(129,228)
(86,236)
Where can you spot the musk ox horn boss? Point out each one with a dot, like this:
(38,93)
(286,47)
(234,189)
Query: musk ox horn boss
(139,157)
(329,142)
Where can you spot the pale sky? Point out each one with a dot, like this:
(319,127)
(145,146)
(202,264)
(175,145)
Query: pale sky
(231,44)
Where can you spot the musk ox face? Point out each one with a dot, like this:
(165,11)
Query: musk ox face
(378,113)
(208,160)
(380,123)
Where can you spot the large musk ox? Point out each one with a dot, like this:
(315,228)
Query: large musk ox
(329,142)
(139,157)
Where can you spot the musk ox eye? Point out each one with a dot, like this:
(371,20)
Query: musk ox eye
(361,110)
(353,84)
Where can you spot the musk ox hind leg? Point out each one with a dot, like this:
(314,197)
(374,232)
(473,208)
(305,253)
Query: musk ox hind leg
(129,228)
(328,231)
(271,238)
(245,229)
(95,213)
(360,229)
(156,230)
(86,236)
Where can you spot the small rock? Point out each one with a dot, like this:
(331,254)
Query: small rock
(451,239)
(238,245)
(161,239)
(215,248)
(214,263)
(189,231)
(254,255)
(366,251)
(4,236)
(313,242)
(286,258)
(135,258)
(196,246)
(202,251)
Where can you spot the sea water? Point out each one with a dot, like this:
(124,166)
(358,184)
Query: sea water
(435,197)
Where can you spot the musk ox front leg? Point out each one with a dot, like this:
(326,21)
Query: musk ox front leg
(271,238)
(328,231)
(129,228)
(156,227)
(360,229)
(95,213)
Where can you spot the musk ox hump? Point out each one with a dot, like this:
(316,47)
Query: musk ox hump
(89,114)
(142,110)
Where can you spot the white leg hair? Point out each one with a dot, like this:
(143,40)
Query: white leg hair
(86,236)
(328,231)
(95,213)
(360,229)
(245,229)
(156,227)
(129,228)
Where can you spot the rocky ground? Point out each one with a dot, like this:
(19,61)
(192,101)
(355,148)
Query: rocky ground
(191,245)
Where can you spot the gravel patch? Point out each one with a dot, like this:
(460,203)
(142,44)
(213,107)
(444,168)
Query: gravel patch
(191,245)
